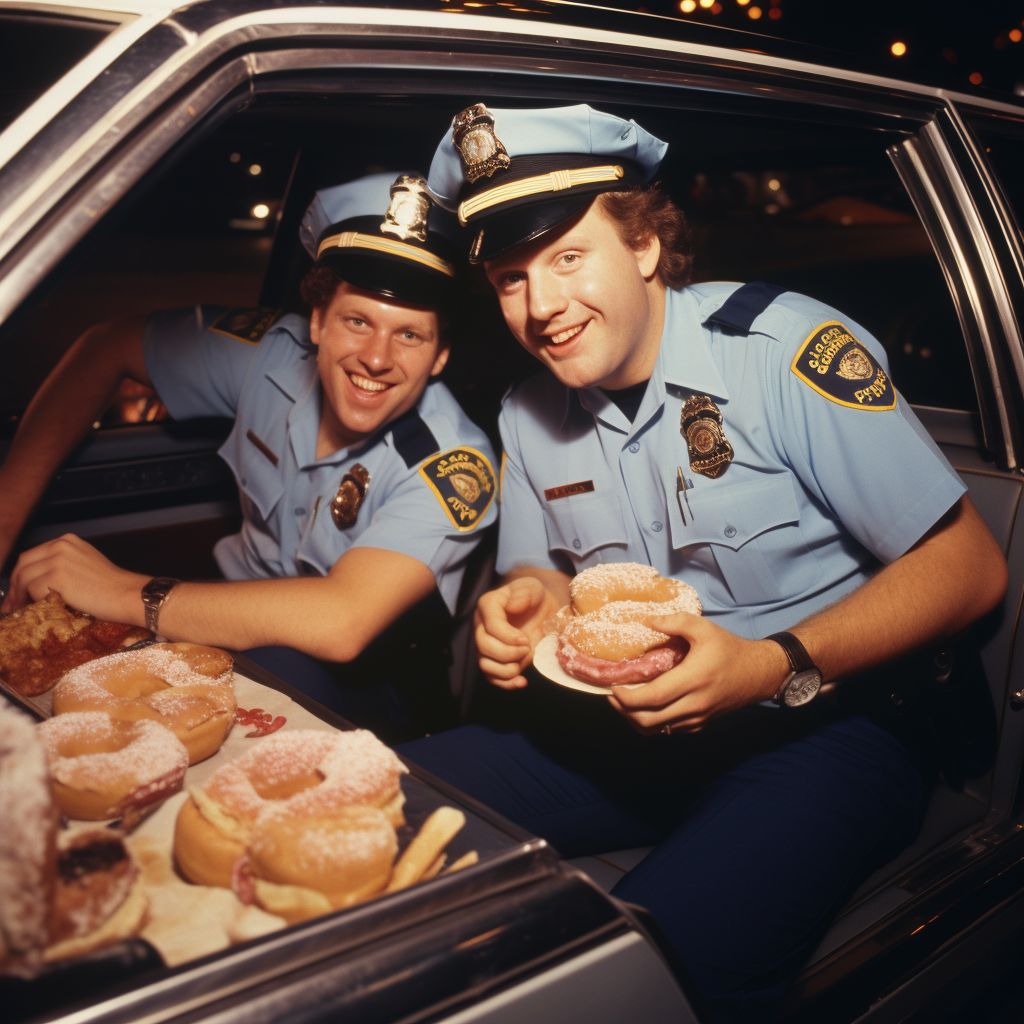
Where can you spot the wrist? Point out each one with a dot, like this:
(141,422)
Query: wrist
(776,668)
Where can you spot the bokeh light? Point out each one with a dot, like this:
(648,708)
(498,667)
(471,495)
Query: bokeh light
(1015,35)
(975,78)
(255,169)
(898,49)
(687,6)
(261,210)
(755,13)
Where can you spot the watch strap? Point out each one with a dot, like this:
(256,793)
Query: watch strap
(154,593)
(799,659)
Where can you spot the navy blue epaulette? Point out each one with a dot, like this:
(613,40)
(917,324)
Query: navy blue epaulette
(743,307)
(412,438)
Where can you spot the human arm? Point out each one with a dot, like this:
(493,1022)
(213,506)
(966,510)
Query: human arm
(510,620)
(73,396)
(332,617)
(952,576)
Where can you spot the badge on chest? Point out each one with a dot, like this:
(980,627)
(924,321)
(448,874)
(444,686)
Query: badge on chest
(351,494)
(700,422)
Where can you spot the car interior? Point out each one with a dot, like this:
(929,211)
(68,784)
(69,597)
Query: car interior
(806,198)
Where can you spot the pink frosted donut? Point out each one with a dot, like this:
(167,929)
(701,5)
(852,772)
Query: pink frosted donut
(298,773)
(99,768)
(607,640)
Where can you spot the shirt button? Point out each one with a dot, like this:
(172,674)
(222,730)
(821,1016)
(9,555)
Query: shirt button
(656,526)
(299,511)
(730,531)
(635,447)
(576,544)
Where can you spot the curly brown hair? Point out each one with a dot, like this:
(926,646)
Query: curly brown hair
(642,211)
(318,286)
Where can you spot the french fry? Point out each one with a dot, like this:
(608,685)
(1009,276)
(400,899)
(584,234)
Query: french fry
(435,868)
(463,862)
(435,834)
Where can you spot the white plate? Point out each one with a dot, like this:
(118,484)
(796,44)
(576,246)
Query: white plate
(546,662)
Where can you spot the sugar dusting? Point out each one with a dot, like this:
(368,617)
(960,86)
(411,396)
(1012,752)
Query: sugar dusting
(356,768)
(153,754)
(27,820)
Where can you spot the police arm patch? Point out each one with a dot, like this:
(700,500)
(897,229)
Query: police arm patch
(248,325)
(839,367)
(463,482)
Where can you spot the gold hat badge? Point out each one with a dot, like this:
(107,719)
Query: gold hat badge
(406,218)
(481,151)
(700,423)
(345,504)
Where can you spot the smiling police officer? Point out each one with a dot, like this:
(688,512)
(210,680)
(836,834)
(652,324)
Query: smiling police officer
(748,441)
(363,484)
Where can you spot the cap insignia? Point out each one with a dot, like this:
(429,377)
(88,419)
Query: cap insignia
(463,482)
(481,150)
(345,504)
(700,423)
(406,218)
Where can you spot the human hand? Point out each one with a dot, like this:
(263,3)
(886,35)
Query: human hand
(83,577)
(720,673)
(508,623)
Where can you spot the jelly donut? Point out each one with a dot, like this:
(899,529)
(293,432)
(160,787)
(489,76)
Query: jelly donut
(607,639)
(302,774)
(98,899)
(186,687)
(28,827)
(100,768)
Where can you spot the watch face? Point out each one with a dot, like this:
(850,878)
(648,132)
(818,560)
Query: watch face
(803,687)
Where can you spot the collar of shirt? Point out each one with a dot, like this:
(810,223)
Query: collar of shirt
(684,360)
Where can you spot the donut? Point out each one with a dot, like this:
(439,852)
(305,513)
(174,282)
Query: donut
(28,826)
(101,767)
(186,687)
(306,865)
(98,898)
(298,774)
(606,639)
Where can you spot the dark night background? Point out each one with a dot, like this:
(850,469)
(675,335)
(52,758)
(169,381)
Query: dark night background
(970,46)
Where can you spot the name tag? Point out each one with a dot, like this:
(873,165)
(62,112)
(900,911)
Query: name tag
(567,489)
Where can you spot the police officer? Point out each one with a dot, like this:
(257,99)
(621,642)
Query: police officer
(748,441)
(363,484)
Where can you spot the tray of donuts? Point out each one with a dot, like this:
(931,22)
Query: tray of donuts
(603,638)
(172,808)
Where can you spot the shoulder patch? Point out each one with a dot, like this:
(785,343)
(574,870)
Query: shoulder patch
(837,366)
(248,325)
(463,481)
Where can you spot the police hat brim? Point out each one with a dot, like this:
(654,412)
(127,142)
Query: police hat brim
(392,277)
(515,226)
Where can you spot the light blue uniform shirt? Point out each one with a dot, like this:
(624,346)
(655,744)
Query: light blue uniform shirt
(272,390)
(817,495)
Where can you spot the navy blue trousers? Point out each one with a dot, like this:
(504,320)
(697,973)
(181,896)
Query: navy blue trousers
(765,824)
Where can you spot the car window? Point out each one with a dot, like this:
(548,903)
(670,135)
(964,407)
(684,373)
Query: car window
(820,210)
(35,51)
(813,207)
(1003,141)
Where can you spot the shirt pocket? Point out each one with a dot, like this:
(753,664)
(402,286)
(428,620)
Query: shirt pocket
(588,527)
(259,479)
(753,529)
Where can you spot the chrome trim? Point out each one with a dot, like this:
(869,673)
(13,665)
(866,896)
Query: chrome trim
(990,261)
(917,179)
(28,123)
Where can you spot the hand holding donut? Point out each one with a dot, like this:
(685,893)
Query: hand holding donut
(510,620)
(84,578)
(721,673)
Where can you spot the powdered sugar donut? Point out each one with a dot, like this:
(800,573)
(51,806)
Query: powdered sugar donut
(187,687)
(301,774)
(606,639)
(28,854)
(100,768)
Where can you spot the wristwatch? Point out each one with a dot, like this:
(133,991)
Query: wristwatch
(804,682)
(154,593)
